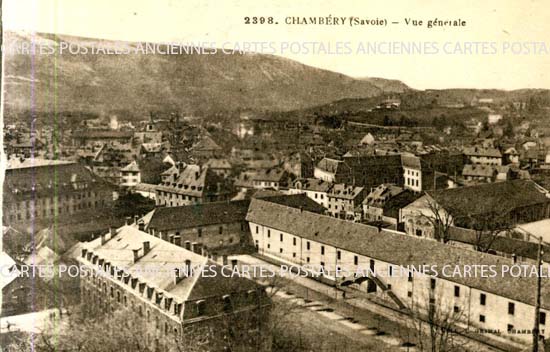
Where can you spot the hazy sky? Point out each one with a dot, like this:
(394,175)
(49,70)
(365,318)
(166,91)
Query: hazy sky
(500,23)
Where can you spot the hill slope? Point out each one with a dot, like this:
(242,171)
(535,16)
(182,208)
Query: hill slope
(191,83)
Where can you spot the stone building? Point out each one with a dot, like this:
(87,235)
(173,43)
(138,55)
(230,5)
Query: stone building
(410,273)
(37,190)
(182,297)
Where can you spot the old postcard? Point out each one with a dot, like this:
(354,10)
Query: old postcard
(285,176)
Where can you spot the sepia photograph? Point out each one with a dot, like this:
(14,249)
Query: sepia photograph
(275,176)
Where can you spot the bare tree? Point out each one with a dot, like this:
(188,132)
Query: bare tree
(487,229)
(435,325)
(440,219)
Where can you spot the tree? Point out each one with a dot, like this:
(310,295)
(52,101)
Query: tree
(436,325)
(488,228)
(440,219)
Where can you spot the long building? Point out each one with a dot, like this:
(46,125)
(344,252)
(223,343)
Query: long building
(182,297)
(41,190)
(502,303)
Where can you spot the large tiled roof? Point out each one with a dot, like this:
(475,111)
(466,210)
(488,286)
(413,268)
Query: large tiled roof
(480,151)
(162,259)
(330,165)
(190,216)
(205,214)
(344,191)
(397,248)
(49,178)
(195,181)
(490,198)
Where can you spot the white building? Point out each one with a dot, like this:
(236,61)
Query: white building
(336,250)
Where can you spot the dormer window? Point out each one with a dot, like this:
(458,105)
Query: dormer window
(227,306)
(201,308)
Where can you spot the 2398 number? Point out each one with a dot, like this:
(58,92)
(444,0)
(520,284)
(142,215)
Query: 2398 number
(259,20)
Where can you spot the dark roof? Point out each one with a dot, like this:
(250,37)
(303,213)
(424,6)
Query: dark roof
(296,201)
(490,198)
(500,244)
(205,214)
(103,134)
(397,248)
(47,179)
(190,216)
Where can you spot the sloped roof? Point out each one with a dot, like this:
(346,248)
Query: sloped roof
(132,167)
(490,198)
(344,191)
(330,165)
(312,184)
(480,151)
(397,248)
(170,218)
(162,259)
(206,143)
(411,162)
(271,175)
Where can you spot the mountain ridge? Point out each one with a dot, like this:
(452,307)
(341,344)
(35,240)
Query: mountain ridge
(190,83)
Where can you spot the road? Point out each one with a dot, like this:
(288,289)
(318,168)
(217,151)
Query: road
(370,318)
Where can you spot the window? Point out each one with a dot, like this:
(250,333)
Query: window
(294,241)
(257,229)
(294,255)
(307,259)
(199,232)
(457,291)
(409,294)
(482,299)
(410,277)
(509,327)
(220,230)
(280,250)
(419,232)
(542,318)
(322,250)
(432,283)
(390,271)
(268,233)
(308,245)
(355,260)
(482,318)
(281,237)
(339,255)
(456,309)
(511,308)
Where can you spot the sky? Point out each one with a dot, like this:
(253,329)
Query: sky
(505,44)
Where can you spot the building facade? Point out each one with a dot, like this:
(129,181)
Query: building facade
(501,303)
(178,303)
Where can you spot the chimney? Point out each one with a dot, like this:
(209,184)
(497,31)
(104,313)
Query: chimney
(171,238)
(136,219)
(136,254)
(112,231)
(197,248)
(128,220)
(187,268)
(141,226)
(177,276)
(146,247)
(103,239)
